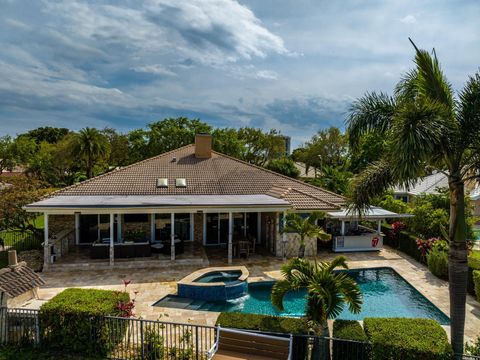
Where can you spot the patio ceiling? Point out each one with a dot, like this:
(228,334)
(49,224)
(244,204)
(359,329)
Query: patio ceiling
(372,213)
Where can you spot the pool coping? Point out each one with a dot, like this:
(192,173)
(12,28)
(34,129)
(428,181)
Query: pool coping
(190,279)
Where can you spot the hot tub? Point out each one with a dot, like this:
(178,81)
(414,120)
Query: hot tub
(214,284)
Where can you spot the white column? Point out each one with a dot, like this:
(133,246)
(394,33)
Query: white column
(172,236)
(343,228)
(46,245)
(77,228)
(204,232)
(112,232)
(379,226)
(152,227)
(230,236)
(192,228)
(284,236)
(119,228)
(244,224)
(259,227)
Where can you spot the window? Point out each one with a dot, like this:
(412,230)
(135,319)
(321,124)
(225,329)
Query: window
(163,227)
(182,226)
(135,218)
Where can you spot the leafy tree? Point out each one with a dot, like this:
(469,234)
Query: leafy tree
(24,148)
(91,147)
(51,135)
(305,227)
(7,154)
(335,179)
(328,292)
(284,166)
(370,148)
(261,147)
(119,146)
(394,205)
(13,198)
(228,142)
(137,145)
(172,133)
(425,125)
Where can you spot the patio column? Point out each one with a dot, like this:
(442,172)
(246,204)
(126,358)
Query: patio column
(244,224)
(112,232)
(172,236)
(259,227)
(192,227)
(284,236)
(152,227)
(77,228)
(119,228)
(379,226)
(230,236)
(343,228)
(46,245)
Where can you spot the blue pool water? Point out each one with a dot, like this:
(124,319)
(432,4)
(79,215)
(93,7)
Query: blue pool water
(385,294)
(220,276)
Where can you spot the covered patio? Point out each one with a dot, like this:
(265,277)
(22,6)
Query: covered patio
(98,230)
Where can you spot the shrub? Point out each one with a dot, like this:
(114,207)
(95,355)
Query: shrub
(266,323)
(153,344)
(349,330)
(407,243)
(437,261)
(473,348)
(476,282)
(72,321)
(407,339)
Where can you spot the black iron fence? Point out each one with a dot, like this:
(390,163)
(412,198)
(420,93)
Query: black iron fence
(18,240)
(138,339)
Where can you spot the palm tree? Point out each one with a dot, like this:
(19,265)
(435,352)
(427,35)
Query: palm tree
(426,127)
(92,147)
(305,227)
(327,291)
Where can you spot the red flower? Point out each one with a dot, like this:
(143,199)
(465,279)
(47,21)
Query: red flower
(126,282)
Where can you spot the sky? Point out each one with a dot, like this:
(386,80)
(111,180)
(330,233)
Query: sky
(294,66)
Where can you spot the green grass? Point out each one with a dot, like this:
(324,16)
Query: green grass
(474,260)
(19,353)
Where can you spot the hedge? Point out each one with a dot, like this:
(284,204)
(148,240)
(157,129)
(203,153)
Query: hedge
(271,324)
(349,330)
(437,262)
(72,320)
(407,243)
(476,281)
(407,339)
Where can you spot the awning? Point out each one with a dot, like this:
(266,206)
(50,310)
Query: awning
(155,202)
(372,213)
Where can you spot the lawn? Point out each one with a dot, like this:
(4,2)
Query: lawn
(474,259)
(10,237)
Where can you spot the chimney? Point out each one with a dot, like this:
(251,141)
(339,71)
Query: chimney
(203,146)
(12,257)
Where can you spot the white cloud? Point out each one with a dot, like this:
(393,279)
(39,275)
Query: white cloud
(266,74)
(156,69)
(409,19)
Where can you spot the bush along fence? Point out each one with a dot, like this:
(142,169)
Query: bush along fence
(128,338)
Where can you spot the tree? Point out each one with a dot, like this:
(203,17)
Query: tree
(305,227)
(91,147)
(7,154)
(227,142)
(118,147)
(261,147)
(284,166)
(335,179)
(425,126)
(370,148)
(137,145)
(328,292)
(51,135)
(172,133)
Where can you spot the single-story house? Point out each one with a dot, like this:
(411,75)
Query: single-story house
(191,195)
(430,184)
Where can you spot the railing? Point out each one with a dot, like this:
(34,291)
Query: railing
(20,240)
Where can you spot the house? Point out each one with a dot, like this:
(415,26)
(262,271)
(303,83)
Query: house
(430,184)
(176,206)
(18,283)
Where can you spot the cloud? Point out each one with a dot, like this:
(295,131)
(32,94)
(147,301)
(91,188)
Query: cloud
(409,19)
(156,69)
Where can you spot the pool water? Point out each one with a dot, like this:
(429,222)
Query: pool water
(385,294)
(219,276)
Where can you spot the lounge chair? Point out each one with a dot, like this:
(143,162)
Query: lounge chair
(234,344)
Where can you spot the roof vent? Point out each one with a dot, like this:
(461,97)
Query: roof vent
(181,182)
(162,183)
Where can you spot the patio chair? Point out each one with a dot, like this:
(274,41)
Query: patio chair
(243,248)
(232,344)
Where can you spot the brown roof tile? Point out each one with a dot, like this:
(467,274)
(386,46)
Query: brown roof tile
(16,280)
(218,175)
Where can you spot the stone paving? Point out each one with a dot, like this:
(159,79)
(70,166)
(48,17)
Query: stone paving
(153,284)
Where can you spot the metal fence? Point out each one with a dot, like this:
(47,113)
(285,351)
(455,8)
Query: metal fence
(20,240)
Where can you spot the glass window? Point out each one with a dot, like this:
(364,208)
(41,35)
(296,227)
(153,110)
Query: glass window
(135,218)
(162,227)
(182,226)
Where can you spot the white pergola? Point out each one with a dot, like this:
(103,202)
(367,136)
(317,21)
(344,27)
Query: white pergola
(156,204)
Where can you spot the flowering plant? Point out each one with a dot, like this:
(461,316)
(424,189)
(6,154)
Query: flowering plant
(126,308)
(398,226)
(424,246)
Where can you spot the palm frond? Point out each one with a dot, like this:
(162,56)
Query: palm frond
(339,261)
(350,292)
(279,290)
(469,111)
(372,112)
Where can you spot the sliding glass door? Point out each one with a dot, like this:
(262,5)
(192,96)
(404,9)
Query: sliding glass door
(216,228)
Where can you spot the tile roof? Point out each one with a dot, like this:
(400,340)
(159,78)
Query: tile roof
(18,279)
(218,175)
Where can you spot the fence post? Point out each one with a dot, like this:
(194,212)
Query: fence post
(196,342)
(3,325)
(141,339)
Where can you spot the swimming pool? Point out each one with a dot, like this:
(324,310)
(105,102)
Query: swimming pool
(385,294)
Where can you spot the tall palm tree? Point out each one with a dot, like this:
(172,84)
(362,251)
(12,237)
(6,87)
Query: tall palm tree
(327,291)
(92,147)
(426,127)
(305,227)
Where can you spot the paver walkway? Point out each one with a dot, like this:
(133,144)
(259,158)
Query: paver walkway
(153,284)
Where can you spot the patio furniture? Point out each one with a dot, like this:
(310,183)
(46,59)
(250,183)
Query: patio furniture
(243,248)
(232,344)
(179,247)
(157,247)
(251,249)
(120,251)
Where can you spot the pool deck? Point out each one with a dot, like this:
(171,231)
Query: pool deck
(153,284)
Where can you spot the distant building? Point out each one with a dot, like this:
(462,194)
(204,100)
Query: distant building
(288,141)
(428,185)
(303,170)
